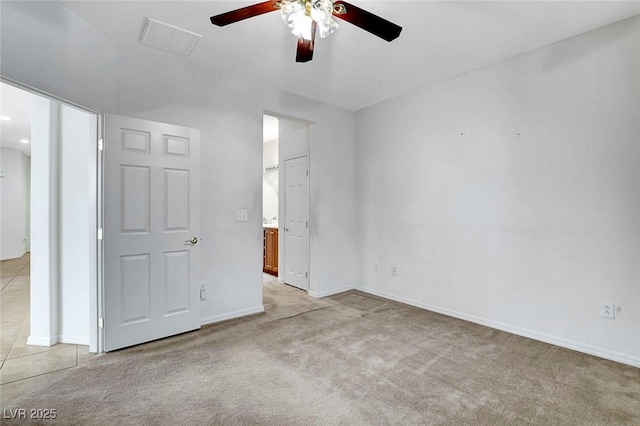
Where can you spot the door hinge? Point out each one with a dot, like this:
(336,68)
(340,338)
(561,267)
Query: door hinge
(100,144)
(306,275)
(307,223)
(99,233)
(100,322)
(307,173)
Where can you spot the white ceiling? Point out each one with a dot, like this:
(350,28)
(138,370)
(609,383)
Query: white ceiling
(352,68)
(15,103)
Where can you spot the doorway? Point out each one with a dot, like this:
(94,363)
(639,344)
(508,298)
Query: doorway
(285,172)
(61,211)
(15,172)
(270,195)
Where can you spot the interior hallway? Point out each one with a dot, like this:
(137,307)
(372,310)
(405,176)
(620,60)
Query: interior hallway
(24,369)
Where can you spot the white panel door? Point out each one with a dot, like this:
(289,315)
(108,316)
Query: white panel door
(151,263)
(296,206)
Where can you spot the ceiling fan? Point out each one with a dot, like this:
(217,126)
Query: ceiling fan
(306,17)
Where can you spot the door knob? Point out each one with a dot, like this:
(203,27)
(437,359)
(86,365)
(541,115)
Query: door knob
(193,240)
(286,229)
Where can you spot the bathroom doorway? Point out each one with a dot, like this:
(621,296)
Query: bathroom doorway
(270,193)
(285,202)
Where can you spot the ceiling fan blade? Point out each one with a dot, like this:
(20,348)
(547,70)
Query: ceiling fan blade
(366,20)
(305,47)
(244,13)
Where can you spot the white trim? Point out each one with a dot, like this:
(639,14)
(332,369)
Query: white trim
(96,336)
(327,293)
(93,225)
(43,94)
(74,340)
(13,255)
(96,295)
(232,315)
(553,340)
(41,340)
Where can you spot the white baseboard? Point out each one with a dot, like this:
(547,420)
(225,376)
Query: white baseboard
(42,340)
(73,340)
(553,340)
(232,315)
(10,256)
(329,292)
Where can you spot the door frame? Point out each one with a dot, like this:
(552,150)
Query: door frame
(95,287)
(97,298)
(281,214)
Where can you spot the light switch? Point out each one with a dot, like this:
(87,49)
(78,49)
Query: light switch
(242,215)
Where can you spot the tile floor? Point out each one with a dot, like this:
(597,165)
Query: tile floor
(24,369)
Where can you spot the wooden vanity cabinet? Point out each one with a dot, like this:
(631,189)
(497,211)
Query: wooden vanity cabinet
(270,251)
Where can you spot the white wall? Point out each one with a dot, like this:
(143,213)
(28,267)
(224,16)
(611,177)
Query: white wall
(293,138)
(270,181)
(510,196)
(142,82)
(77,225)
(14,202)
(44,223)
(63,261)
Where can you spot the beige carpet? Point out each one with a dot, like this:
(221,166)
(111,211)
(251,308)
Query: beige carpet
(350,359)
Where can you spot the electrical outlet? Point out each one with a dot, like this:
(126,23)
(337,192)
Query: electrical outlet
(242,215)
(376,267)
(394,271)
(203,292)
(608,310)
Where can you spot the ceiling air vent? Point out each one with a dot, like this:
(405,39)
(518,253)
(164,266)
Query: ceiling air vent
(168,37)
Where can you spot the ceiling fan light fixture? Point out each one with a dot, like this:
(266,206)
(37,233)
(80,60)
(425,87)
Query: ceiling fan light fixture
(299,14)
(303,28)
(321,12)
